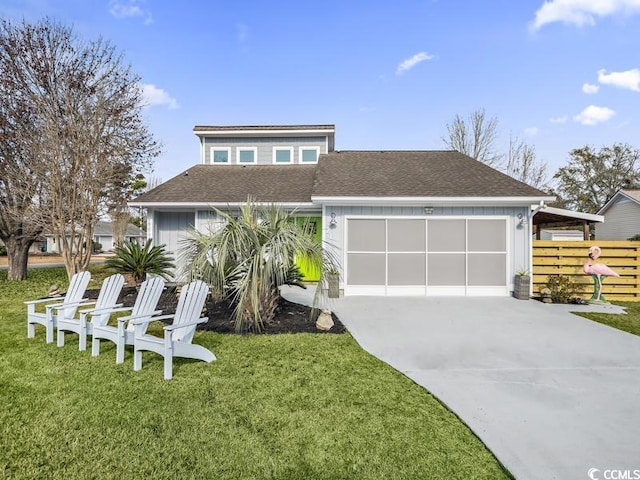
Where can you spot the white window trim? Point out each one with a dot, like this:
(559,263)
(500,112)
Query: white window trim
(247,149)
(300,149)
(275,149)
(226,149)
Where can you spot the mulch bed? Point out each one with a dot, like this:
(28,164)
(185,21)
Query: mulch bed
(290,317)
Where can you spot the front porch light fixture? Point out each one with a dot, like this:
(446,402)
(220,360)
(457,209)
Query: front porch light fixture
(333,222)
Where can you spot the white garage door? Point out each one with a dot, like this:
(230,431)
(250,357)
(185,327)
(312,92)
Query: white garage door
(434,256)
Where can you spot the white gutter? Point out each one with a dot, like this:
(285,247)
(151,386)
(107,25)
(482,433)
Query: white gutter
(431,201)
(183,205)
(260,132)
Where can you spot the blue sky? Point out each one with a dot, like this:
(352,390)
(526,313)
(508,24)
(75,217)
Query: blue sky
(558,74)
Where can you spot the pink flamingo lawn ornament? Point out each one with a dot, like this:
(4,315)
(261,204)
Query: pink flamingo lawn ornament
(597,271)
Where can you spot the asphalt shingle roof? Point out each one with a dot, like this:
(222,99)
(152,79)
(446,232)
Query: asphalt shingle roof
(412,174)
(233,183)
(342,174)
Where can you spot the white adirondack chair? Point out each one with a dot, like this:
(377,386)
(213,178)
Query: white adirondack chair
(62,308)
(178,336)
(143,308)
(106,302)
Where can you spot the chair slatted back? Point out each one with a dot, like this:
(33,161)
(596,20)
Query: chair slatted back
(108,297)
(146,301)
(75,293)
(190,304)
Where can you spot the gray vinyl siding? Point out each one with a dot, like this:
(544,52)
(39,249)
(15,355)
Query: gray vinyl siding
(519,237)
(621,221)
(265,146)
(172,227)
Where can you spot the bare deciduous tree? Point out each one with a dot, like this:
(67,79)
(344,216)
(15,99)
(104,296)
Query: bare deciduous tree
(119,211)
(21,160)
(86,106)
(523,165)
(475,137)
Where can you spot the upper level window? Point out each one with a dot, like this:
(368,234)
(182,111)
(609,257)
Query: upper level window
(246,154)
(282,154)
(220,155)
(309,154)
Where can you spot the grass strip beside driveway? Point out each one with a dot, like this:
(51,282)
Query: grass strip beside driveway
(280,406)
(630,322)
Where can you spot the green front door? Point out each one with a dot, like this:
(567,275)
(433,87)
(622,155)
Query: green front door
(313,226)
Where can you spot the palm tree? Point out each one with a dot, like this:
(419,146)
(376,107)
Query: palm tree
(135,260)
(248,258)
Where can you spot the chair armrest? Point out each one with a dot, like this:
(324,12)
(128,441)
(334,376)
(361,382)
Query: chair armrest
(91,311)
(43,300)
(79,303)
(119,308)
(170,328)
(152,319)
(135,317)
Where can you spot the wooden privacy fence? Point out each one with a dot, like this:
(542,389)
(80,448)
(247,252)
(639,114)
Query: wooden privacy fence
(567,258)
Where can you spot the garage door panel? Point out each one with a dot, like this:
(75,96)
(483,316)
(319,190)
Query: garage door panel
(366,268)
(367,235)
(427,256)
(487,269)
(487,235)
(446,235)
(406,235)
(446,269)
(407,269)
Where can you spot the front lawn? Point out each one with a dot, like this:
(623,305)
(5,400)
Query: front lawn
(300,406)
(628,323)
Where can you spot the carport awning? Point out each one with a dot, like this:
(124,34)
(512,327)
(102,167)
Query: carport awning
(550,217)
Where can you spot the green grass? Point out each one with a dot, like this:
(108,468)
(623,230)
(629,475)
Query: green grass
(629,323)
(277,407)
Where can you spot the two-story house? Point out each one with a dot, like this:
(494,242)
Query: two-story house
(400,222)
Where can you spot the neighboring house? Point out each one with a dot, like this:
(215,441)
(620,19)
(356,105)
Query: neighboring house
(562,235)
(622,216)
(102,234)
(399,222)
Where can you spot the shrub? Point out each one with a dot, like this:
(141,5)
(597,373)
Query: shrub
(563,288)
(250,257)
(3,251)
(97,247)
(131,258)
(635,238)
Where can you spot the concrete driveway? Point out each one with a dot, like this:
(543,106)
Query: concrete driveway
(551,394)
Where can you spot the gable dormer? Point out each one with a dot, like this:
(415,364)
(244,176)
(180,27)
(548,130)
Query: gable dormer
(264,144)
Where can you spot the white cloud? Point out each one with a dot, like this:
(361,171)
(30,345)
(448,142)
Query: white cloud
(592,115)
(581,12)
(629,79)
(409,63)
(531,131)
(130,9)
(590,89)
(562,119)
(153,96)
